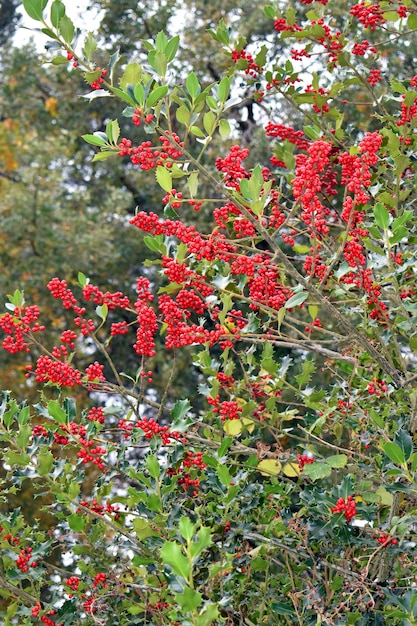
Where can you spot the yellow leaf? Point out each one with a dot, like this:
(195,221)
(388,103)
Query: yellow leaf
(248,423)
(51,105)
(233,427)
(385,496)
(291,470)
(269,467)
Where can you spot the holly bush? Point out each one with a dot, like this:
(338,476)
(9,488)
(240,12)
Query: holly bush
(290,498)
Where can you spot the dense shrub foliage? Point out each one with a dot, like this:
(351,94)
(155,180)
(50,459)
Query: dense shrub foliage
(290,497)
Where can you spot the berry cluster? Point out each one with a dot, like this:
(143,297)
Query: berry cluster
(148,157)
(287,133)
(385,539)
(45,619)
(374,77)
(18,326)
(347,506)
(91,454)
(72,582)
(304,459)
(377,387)
(361,47)
(100,579)
(94,372)
(308,183)
(369,15)
(252,68)
(231,167)
(152,429)
(190,460)
(98,83)
(137,117)
(111,300)
(24,558)
(96,414)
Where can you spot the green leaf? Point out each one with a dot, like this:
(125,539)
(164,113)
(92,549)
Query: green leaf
(225,445)
(180,410)
(312,132)
(337,460)
(208,616)
(279,608)
(381,216)
(15,458)
(171,48)
(34,8)
(269,11)
(391,16)
(193,183)
(308,368)
(412,21)
(113,131)
(94,140)
(183,115)
(57,12)
(102,311)
(409,99)
(59,60)
(296,300)
(197,132)
(212,103)
(397,87)
(224,128)
(73,490)
(66,28)
(90,46)
(142,528)
(152,465)
(139,93)
(45,462)
(103,156)
(131,75)
(158,61)
(209,122)
(401,220)
(224,474)
(76,522)
(189,600)
(224,89)
(163,178)
(193,86)
(24,416)
(317,470)
(157,94)
(23,436)
(56,412)
(394,452)
(161,41)
(82,279)
(17,299)
(204,540)
(155,243)
(186,528)
(172,555)
(404,440)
